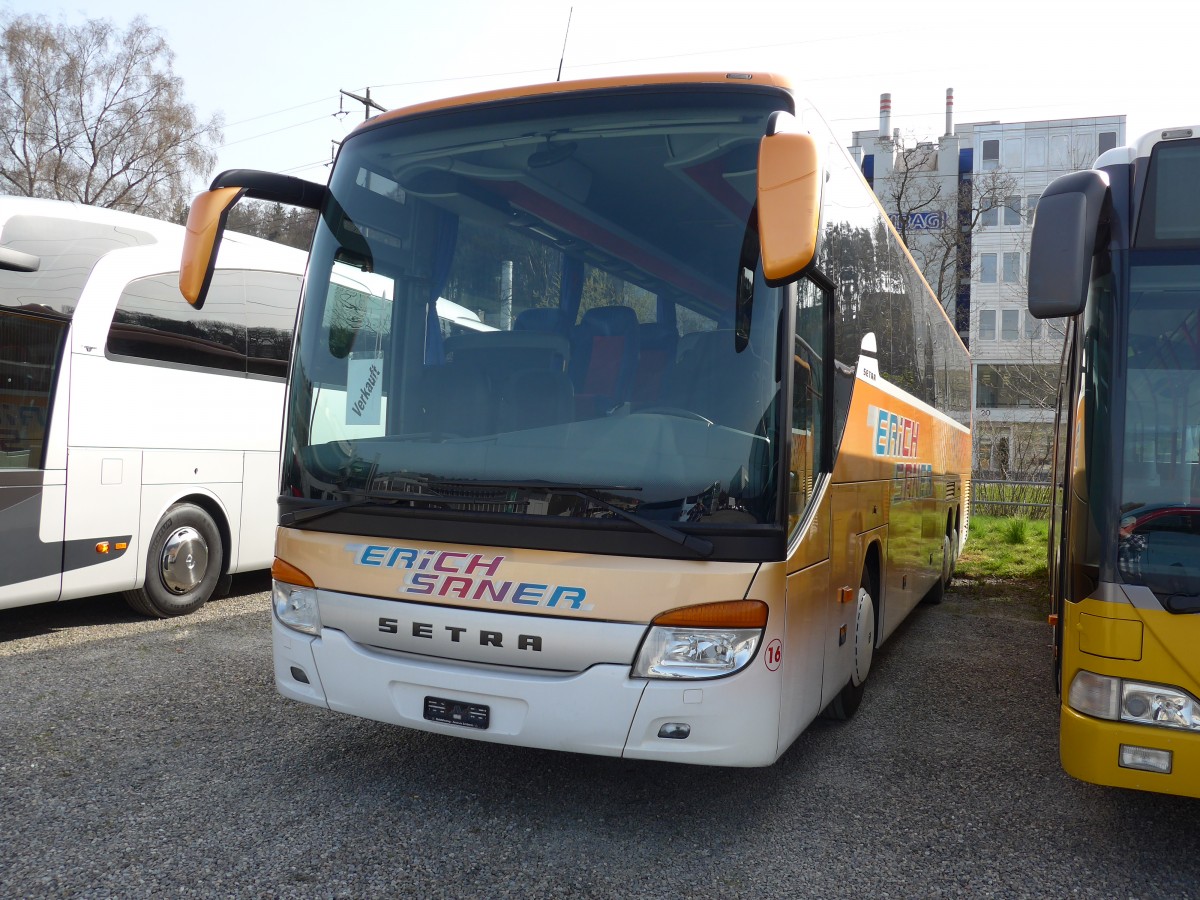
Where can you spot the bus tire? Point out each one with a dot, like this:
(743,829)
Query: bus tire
(953,558)
(183,564)
(846,703)
(938,591)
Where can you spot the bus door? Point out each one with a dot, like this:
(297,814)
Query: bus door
(32,480)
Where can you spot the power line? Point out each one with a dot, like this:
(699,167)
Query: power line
(277,112)
(275,131)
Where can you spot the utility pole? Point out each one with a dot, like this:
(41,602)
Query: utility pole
(367,102)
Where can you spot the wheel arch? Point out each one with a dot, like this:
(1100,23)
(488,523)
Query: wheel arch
(873,570)
(215,509)
(220,516)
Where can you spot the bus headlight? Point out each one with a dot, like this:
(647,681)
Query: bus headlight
(1133,701)
(695,653)
(294,598)
(705,641)
(1156,704)
(296,607)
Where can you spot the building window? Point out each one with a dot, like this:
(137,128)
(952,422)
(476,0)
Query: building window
(1020,386)
(987,268)
(1035,153)
(987,387)
(1031,207)
(1009,320)
(1011,273)
(1060,151)
(1082,152)
(987,324)
(1108,140)
(989,214)
(1014,157)
(1012,210)
(1033,328)
(991,154)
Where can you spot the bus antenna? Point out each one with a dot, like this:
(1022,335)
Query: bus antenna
(566,34)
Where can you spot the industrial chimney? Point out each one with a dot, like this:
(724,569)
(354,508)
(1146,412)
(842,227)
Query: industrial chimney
(885,116)
(949,111)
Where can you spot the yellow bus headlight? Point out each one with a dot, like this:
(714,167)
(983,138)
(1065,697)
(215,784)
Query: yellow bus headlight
(1138,702)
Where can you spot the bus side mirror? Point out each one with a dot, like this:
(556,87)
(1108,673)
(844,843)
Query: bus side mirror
(205,227)
(789,202)
(207,217)
(1064,238)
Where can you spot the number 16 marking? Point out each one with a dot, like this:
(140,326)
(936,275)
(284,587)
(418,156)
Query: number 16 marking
(774,654)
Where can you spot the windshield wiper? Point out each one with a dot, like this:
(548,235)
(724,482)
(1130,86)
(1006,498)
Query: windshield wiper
(316,512)
(590,492)
(594,493)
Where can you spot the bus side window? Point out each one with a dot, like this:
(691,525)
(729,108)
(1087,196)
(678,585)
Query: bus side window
(808,391)
(150,325)
(271,300)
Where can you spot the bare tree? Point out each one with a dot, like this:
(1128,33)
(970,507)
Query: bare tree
(913,190)
(96,115)
(271,221)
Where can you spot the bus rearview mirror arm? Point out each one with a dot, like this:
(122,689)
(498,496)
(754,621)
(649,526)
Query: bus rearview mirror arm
(210,211)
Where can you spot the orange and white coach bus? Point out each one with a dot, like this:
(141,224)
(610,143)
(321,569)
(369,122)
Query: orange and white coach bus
(713,452)
(1116,251)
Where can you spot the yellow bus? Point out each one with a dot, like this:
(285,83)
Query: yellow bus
(712,450)
(1116,253)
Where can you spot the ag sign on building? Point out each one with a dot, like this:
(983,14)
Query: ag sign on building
(922,221)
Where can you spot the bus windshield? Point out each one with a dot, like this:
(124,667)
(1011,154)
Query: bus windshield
(614,348)
(1160,495)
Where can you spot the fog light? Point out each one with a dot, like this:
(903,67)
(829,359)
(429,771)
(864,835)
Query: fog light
(676,731)
(298,674)
(1146,759)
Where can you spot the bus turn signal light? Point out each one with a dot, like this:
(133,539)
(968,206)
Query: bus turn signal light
(723,614)
(284,571)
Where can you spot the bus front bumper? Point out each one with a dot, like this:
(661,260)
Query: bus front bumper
(1090,750)
(601,711)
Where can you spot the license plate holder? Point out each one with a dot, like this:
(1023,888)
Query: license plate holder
(457,712)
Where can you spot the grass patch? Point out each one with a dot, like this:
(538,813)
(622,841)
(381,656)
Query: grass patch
(1002,570)
(1015,531)
(1004,547)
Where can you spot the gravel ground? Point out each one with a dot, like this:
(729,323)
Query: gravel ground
(145,758)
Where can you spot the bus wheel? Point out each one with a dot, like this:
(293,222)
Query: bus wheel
(845,704)
(938,591)
(953,557)
(183,564)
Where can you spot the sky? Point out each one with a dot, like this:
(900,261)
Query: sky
(274,70)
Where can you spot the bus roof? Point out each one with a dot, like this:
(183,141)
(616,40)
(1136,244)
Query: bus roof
(1141,148)
(589,84)
(12,205)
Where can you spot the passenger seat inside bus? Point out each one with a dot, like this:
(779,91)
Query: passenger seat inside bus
(535,398)
(604,359)
(658,343)
(456,402)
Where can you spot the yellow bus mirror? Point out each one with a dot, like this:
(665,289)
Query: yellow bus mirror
(789,204)
(205,226)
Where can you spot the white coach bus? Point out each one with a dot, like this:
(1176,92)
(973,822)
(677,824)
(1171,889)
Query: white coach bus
(139,438)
